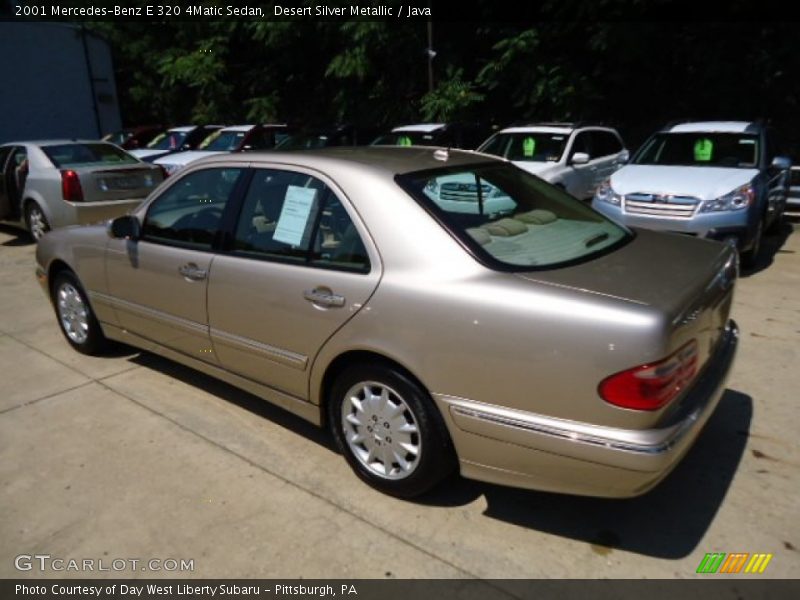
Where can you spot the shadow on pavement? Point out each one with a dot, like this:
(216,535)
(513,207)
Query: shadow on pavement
(20,236)
(772,244)
(234,395)
(667,522)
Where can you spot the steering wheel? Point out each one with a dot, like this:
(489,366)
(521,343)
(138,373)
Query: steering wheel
(206,219)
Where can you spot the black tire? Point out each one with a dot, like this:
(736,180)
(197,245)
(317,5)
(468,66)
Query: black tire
(35,220)
(750,257)
(68,299)
(436,458)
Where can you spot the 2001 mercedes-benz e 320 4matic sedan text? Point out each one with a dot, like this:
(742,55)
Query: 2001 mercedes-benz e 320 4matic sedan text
(530,342)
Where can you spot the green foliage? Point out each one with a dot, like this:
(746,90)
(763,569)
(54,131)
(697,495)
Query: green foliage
(451,99)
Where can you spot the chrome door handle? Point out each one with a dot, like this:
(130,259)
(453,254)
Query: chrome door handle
(193,272)
(323,297)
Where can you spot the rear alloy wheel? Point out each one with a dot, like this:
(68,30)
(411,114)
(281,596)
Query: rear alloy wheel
(36,221)
(750,257)
(75,316)
(389,431)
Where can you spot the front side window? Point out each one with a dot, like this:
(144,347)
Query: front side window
(526,147)
(79,155)
(700,149)
(293,217)
(605,143)
(188,213)
(511,219)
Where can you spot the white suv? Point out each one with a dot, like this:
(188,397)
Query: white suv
(575,157)
(722,180)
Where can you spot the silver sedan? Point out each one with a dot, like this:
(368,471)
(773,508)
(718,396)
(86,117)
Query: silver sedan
(50,184)
(385,293)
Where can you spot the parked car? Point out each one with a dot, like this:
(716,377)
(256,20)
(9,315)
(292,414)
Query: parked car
(134,137)
(793,198)
(467,136)
(49,184)
(715,179)
(176,139)
(239,138)
(326,137)
(576,157)
(542,347)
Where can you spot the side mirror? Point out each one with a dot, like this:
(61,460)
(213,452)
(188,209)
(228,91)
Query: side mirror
(624,156)
(579,158)
(126,227)
(781,163)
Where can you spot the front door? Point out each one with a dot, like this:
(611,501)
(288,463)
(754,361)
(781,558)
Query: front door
(298,270)
(157,285)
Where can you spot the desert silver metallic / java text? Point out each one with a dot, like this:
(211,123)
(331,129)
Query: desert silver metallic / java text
(73,313)
(381,430)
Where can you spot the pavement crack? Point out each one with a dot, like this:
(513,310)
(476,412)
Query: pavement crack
(46,397)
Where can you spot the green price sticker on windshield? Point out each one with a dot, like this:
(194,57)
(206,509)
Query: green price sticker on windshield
(528,146)
(703,148)
(404,140)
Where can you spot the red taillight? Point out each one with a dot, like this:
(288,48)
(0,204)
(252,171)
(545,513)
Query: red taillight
(651,386)
(71,186)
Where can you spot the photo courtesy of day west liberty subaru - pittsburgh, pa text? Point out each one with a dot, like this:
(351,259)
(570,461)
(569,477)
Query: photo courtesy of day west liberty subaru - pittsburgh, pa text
(157,10)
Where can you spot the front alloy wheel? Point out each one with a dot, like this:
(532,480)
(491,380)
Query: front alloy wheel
(75,316)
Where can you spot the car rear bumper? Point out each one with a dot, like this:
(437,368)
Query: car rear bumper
(523,449)
(84,213)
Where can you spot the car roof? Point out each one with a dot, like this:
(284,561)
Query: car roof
(715,126)
(55,142)
(384,160)
(538,129)
(424,127)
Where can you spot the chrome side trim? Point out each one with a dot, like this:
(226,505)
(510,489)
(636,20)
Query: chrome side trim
(273,353)
(542,425)
(151,313)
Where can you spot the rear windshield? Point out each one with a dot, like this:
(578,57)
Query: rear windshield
(529,147)
(78,155)
(700,149)
(223,141)
(409,138)
(169,140)
(512,220)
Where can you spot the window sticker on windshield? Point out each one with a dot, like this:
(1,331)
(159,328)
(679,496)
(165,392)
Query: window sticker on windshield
(297,216)
(404,140)
(703,149)
(528,146)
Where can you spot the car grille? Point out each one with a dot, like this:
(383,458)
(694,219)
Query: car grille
(462,192)
(682,207)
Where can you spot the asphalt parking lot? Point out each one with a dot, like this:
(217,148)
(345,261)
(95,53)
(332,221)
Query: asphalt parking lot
(131,456)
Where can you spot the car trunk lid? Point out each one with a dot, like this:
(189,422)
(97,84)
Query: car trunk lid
(122,182)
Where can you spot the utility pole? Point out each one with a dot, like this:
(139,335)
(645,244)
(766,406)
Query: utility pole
(431,54)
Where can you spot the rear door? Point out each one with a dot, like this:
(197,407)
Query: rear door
(299,267)
(580,181)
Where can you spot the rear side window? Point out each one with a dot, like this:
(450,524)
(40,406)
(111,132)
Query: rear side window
(188,213)
(293,217)
(605,143)
(80,155)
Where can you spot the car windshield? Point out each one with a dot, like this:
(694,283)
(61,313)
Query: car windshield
(511,219)
(408,138)
(528,146)
(169,140)
(303,141)
(700,149)
(79,155)
(222,141)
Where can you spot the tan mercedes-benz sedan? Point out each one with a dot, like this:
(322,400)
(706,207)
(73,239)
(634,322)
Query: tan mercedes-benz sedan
(436,309)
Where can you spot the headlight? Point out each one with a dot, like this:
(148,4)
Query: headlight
(170,168)
(605,193)
(738,199)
